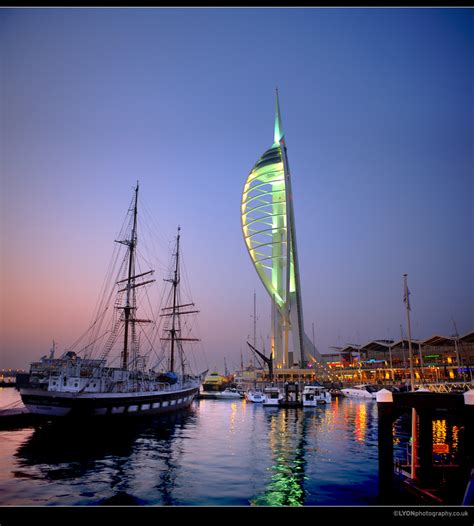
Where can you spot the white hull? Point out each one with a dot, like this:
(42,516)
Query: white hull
(273,395)
(315,395)
(315,403)
(221,395)
(255,397)
(272,401)
(358,393)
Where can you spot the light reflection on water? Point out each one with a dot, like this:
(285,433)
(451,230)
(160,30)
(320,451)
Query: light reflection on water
(217,453)
(287,441)
(446,433)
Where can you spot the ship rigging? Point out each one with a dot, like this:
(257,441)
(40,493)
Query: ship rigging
(86,383)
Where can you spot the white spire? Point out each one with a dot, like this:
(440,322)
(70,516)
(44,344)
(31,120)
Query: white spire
(278,126)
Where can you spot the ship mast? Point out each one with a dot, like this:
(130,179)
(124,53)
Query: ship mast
(176,311)
(175,282)
(132,242)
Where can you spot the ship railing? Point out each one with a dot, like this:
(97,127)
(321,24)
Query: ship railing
(162,386)
(448,387)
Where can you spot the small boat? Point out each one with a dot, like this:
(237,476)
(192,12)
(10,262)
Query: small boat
(273,395)
(291,396)
(230,393)
(360,391)
(314,395)
(255,396)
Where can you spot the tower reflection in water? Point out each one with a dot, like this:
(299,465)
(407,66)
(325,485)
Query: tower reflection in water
(321,455)
(288,443)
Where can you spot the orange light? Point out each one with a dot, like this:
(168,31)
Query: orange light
(440,448)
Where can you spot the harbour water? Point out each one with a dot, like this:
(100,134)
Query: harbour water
(218,453)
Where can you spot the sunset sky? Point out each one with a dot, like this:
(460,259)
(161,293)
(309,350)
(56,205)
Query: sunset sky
(377,108)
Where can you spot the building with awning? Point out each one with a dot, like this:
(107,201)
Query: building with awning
(435,359)
(467,338)
(454,353)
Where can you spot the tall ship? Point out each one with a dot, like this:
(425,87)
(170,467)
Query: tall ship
(124,364)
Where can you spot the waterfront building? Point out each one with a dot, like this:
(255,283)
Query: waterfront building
(436,359)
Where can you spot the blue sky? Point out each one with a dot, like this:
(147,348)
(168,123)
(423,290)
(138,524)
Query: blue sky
(377,108)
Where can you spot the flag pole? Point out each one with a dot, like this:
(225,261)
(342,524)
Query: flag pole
(406,300)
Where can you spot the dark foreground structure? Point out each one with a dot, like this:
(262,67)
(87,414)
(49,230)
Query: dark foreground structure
(432,483)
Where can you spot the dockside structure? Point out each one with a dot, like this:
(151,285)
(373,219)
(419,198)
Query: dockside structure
(436,359)
(386,362)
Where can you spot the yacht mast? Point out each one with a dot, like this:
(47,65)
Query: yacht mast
(414,416)
(406,300)
(254,319)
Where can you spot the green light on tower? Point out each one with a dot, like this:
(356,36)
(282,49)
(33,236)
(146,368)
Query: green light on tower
(268,226)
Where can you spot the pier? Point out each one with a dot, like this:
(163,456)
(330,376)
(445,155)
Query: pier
(17,417)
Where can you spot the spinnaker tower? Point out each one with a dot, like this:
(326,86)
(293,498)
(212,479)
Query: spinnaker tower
(268,225)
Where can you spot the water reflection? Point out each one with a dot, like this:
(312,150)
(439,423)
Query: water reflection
(313,450)
(446,435)
(445,441)
(360,422)
(114,454)
(287,439)
(220,453)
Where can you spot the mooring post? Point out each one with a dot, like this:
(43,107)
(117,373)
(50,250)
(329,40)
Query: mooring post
(385,443)
(469,445)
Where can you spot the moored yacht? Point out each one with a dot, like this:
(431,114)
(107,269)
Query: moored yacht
(255,396)
(273,395)
(229,393)
(314,395)
(360,391)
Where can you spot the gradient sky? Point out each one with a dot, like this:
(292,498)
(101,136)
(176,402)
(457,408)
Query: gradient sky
(377,108)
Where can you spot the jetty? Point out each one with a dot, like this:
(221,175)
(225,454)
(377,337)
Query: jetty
(17,417)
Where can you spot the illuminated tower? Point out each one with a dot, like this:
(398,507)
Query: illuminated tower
(268,224)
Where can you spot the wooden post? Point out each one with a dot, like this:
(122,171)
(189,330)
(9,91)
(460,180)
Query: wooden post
(385,443)
(469,433)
